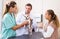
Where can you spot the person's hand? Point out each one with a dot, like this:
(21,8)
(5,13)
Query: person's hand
(40,25)
(25,22)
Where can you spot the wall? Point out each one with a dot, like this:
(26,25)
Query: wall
(52,4)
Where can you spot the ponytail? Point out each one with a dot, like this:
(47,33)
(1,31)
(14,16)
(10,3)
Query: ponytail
(53,17)
(7,9)
(56,21)
(11,4)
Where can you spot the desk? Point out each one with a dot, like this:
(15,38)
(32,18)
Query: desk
(35,35)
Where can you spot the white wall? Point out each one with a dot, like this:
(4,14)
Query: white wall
(0,13)
(0,16)
(37,4)
(52,4)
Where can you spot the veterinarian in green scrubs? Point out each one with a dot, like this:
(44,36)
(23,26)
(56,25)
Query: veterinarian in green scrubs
(9,23)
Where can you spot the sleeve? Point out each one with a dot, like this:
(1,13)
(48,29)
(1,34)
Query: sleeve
(8,22)
(49,32)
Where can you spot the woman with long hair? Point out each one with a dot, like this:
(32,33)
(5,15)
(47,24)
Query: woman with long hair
(51,31)
(9,23)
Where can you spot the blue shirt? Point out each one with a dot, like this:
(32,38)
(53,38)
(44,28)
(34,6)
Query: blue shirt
(7,23)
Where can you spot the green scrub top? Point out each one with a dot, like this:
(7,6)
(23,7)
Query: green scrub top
(7,23)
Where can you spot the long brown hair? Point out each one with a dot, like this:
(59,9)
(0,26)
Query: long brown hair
(11,4)
(53,17)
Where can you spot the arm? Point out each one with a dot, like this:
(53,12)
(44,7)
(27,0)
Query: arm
(20,25)
(8,23)
(17,27)
(49,32)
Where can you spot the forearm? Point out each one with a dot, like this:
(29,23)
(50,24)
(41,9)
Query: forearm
(18,26)
(49,32)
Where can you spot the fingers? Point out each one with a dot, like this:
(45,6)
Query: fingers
(25,22)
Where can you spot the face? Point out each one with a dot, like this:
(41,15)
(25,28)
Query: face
(27,9)
(15,10)
(47,16)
